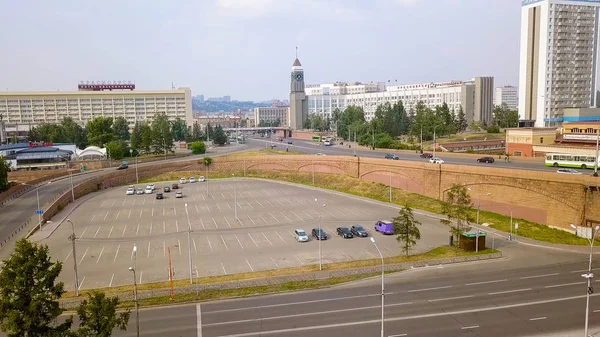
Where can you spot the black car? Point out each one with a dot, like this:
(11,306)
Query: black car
(426,155)
(319,234)
(391,156)
(344,232)
(174,186)
(159,196)
(290,142)
(359,231)
(166,189)
(485,160)
(122,167)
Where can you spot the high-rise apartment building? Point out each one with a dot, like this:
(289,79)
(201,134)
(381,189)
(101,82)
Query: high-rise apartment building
(558,59)
(507,95)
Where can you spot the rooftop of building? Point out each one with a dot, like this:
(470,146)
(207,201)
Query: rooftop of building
(88,93)
(25,145)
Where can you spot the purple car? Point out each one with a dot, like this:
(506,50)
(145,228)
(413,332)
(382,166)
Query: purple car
(385,227)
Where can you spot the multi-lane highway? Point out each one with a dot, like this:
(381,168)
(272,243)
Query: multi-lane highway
(517,297)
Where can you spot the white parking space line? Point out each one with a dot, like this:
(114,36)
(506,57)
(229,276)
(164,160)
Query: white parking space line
(285,216)
(279,202)
(111,280)
(223,240)
(369,253)
(219,207)
(164,227)
(215,222)
(275,263)
(129,215)
(117,253)
(249,204)
(164,248)
(228,205)
(266,238)
(272,216)
(179,246)
(238,240)
(254,223)
(81,283)
(280,237)
(84,254)
(302,263)
(152,214)
(333,216)
(141,275)
(270,203)
(148,254)
(252,269)
(195,248)
(258,202)
(85,229)
(346,255)
(65,259)
(138,229)
(202,223)
(102,204)
(114,201)
(223,266)
(151,225)
(308,215)
(391,250)
(107,213)
(163,211)
(141,211)
(263,219)
(177,225)
(100,255)
(228,224)
(97,232)
(197,211)
(111,229)
(251,238)
(124,228)
(93,217)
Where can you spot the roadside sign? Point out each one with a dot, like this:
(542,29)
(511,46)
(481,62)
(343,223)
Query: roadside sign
(39,211)
(516,225)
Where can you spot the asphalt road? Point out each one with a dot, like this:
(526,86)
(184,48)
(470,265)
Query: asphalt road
(511,297)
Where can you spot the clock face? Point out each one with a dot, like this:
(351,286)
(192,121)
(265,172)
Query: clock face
(299,77)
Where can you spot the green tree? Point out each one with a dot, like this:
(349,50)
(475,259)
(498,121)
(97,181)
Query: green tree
(461,120)
(136,137)
(407,229)
(146,137)
(117,149)
(4,169)
(196,132)
(46,132)
(100,131)
(207,161)
(198,147)
(121,128)
(456,208)
(493,129)
(73,132)
(98,316)
(179,129)
(29,293)
(351,120)
(162,138)
(219,137)
(475,126)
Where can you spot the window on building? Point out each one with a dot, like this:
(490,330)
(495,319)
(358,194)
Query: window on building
(541,140)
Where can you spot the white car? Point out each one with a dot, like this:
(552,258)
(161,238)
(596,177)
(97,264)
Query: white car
(182,181)
(130,191)
(151,186)
(436,160)
(192,180)
(567,171)
(320,154)
(148,190)
(201,179)
(179,194)
(300,235)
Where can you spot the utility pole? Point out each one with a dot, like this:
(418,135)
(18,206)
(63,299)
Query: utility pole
(76,278)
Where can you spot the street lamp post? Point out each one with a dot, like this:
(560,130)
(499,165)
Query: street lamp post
(189,243)
(589,276)
(72,238)
(38,210)
(382,285)
(319,234)
(434,139)
(137,305)
(596,161)
(135,256)
(477,229)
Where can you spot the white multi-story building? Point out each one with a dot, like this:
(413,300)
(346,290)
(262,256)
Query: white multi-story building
(475,97)
(558,58)
(20,110)
(508,95)
(272,114)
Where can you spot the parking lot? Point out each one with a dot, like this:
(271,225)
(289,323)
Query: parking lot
(110,224)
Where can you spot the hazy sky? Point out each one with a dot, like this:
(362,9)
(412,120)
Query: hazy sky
(245,48)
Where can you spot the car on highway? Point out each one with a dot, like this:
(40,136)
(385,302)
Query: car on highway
(122,167)
(139,191)
(159,196)
(130,191)
(359,231)
(436,160)
(327,143)
(344,232)
(426,155)
(320,154)
(179,194)
(148,190)
(319,234)
(166,189)
(391,156)
(485,160)
(385,227)
(201,179)
(174,187)
(290,142)
(300,235)
(192,180)
(567,171)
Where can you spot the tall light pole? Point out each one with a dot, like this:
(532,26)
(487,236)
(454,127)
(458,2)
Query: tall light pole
(382,285)
(135,256)
(477,229)
(135,299)
(38,211)
(434,139)
(189,243)
(234,197)
(319,236)
(76,277)
(596,161)
(589,276)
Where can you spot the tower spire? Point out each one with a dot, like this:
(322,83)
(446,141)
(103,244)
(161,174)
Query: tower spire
(296,51)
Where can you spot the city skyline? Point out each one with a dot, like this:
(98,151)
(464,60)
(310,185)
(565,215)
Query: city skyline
(244,49)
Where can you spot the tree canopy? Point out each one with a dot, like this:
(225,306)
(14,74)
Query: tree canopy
(98,316)
(121,128)
(4,169)
(162,137)
(100,131)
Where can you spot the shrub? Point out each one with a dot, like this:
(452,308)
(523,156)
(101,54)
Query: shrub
(198,147)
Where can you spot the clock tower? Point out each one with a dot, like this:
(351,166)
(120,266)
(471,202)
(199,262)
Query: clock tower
(298,104)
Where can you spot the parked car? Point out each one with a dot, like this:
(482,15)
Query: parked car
(359,231)
(485,160)
(320,154)
(436,160)
(567,171)
(182,181)
(159,196)
(122,167)
(385,227)
(174,187)
(300,235)
(201,179)
(166,189)
(290,142)
(391,156)
(327,143)
(179,194)
(426,155)
(319,234)
(344,232)
(139,191)
(130,191)
(148,190)
(192,180)
(151,186)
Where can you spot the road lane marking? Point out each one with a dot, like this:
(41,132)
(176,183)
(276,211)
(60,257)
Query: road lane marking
(100,255)
(451,298)
(223,240)
(400,335)
(117,253)
(252,269)
(251,238)
(536,276)
(81,260)
(509,291)
(485,282)
(199,319)
(537,318)
(428,289)
(111,280)
(564,284)
(266,238)
(469,327)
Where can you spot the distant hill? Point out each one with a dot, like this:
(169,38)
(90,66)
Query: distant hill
(231,106)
